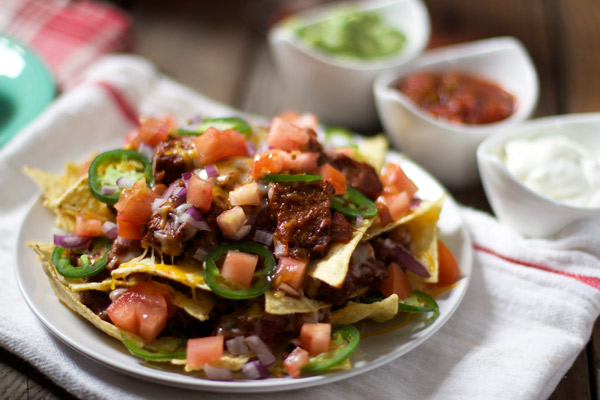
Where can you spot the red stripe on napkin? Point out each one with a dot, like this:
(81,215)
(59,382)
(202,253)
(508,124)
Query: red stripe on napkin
(121,102)
(588,280)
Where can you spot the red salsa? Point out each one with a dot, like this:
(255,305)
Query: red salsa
(458,97)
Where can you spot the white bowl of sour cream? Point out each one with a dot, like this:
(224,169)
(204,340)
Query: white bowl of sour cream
(543,174)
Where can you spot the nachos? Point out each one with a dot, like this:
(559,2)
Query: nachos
(240,250)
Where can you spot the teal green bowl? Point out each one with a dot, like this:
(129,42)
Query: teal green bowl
(26,87)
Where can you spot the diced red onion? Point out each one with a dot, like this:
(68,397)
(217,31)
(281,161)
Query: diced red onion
(263,237)
(244,230)
(116,293)
(289,290)
(255,370)
(194,218)
(261,350)
(125,242)
(71,241)
(146,150)
(124,182)
(415,203)
(106,189)
(237,346)
(405,258)
(359,220)
(200,254)
(280,250)
(251,149)
(218,374)
(110,229)
(211,171)
(158,203)
(186,176)
(169,191)
(181,192)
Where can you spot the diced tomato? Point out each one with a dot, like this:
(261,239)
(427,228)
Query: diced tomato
(315,338)
(88,224)
(394,181)
(448,267)
(203,350)
(152,131)
(286,136)
(335,177)
(130,230)
(245,195)
(269,162)
(396,282)
(199,193)
(295,361)
(301,161)
(143,310)
(304,120)
(214,145)
(135,203)
(239,267)
(232,220)
(291,272)
(397,204)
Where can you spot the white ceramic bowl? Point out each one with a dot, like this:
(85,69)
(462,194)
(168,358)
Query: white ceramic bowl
(339,90)
(448,149)
(519,207)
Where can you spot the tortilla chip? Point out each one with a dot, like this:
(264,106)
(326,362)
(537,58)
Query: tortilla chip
(190,275)
(53,185)
(78,198)
(276,302)
(423,233)
(379,311)
(332,269)
(65,294)
(376,228)
(199,308)
(374,150)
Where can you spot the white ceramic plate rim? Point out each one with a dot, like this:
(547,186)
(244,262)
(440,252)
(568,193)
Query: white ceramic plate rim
(77,332)
(448,54)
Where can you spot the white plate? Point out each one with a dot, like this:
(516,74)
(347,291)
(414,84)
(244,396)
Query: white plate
(373,351)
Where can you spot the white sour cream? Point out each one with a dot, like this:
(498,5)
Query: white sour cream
(557,167)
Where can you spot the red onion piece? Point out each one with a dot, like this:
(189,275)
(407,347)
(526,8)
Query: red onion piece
(261,350)
(106,189)
(251,149)
(169,191)
(124,182)
(211,171)
(110,229)
(181,192)
(146,150)
(280,250)
(194,218)
(186,176)
(218,374)
(200,254)
(405,258)
(415,203)
(237,345)
(255,370)
(71,241)
(263,237)
(244,230)
(359,220)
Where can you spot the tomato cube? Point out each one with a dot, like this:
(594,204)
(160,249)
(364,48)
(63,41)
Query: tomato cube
(239,267)
(199,193)
(232,220)
(214,145)
(291,272)
(315,338)
(395,181)
(396,282)
(203,350)
(335,177)
(295,361)
(448,267)
(286,136)
(245,195)
(88,224)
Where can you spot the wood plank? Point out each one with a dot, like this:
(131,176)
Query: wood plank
(595,361)
(575,384)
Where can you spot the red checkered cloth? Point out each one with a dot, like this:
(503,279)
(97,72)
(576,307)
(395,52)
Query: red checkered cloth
(68,35)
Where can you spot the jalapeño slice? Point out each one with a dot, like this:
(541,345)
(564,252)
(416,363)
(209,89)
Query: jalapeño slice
(291,178)
(235,123)
(345,338)
(111,165)
(224,288)
(61,258)
(150,355)
(354,203)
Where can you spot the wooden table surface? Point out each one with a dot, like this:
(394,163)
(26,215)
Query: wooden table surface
(222,53)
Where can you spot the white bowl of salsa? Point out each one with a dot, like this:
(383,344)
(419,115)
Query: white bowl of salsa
(334,80)
(440,138)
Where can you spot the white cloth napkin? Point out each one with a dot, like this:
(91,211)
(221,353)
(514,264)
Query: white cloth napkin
(527,314)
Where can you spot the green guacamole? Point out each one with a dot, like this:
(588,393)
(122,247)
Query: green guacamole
(361,35)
